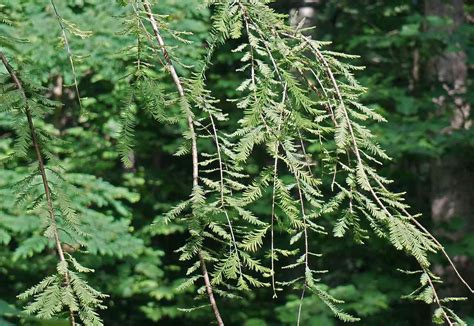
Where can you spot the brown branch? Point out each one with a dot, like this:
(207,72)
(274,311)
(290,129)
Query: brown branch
(207,281)
(194,150)
(42,170)
(178,84)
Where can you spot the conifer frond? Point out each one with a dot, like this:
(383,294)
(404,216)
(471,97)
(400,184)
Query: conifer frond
(51,295)
(275,63)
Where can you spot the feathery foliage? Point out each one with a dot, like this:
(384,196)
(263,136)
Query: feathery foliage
(293,93)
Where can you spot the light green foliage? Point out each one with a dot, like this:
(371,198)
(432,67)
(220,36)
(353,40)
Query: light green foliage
(285,162)
(294,92)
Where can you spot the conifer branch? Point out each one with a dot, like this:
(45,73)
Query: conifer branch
(359,159)
(365,176)
(441,248)
(194,150)
(42,171)
(435,240)
(248,20)
(276,149)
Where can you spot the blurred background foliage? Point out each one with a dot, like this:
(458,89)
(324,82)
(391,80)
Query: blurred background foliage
(399,43)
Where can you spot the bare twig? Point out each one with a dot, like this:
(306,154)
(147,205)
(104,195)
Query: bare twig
(220,322)
(306,246)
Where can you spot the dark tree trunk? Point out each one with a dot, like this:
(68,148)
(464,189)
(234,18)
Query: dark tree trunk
(452,179)
(299,10)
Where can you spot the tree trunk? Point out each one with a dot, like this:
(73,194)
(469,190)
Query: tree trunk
(303,9)
(452,180)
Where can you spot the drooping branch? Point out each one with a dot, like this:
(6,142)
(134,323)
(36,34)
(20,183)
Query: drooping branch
(42,171)
(352,141)
(248,21)
(355,149)
(194,150)
(376,197)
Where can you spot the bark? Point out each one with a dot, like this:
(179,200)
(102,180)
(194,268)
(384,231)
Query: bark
(452,178)
(303,9)
(450,68)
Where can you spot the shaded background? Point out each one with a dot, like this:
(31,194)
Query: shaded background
(418,57)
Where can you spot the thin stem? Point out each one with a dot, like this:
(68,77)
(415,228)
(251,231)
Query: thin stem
(220,322)
(300,307)
(436,298)
(275,176)
(194,150)
(221,172)
(306,245)
(69,51)
(42,171)
(305,154)
(272,230)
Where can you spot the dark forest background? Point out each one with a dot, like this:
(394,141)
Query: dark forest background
(418,57)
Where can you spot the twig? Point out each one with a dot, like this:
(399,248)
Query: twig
(436,298)
(306,246)
(220,322)
(69,51)
(301,304)
(221,173)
